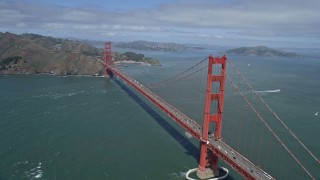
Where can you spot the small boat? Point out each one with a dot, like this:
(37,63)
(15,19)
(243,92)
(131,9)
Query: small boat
(316,114)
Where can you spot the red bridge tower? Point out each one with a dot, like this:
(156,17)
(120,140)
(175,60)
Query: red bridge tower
(208,166)
(107,59)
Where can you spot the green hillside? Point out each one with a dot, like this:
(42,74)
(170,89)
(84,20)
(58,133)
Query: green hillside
(32,53)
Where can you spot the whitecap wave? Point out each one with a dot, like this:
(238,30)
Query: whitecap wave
(35,173)
(177,175)
(57,95)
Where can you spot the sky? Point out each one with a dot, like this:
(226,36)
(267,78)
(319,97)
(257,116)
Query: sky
(274,23)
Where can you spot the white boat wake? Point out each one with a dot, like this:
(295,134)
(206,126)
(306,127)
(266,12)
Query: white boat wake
(269,91)
(252,92)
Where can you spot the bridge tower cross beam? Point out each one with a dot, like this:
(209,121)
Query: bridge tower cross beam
(208,165)
(107,58)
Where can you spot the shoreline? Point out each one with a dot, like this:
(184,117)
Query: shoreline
(57,75)
(117,63)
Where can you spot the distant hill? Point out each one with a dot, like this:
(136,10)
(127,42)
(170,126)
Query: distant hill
(32,53)
(132,57)
(262,51)
(153,46)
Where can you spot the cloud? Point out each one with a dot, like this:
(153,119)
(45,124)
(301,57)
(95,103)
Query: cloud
(108,34)
(202,19)
(120,27)
(11,15)
(53,26)
(207,36)
(275,16)
(20,25)
(77,15)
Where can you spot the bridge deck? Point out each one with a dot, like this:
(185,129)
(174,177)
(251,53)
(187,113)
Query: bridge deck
(246,168)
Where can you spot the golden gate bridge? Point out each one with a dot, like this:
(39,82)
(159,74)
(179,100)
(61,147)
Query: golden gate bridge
(252,160)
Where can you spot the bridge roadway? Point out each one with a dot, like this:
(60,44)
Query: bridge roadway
(241,164)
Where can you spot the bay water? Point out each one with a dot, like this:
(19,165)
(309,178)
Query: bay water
(99,128)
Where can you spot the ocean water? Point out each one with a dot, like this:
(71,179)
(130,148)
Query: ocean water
(98,128)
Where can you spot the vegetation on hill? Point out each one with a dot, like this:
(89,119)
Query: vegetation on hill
(9,60)
(261,51)
(32,53)
(131,56)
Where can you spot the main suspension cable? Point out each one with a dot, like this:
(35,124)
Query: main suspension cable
(161,83)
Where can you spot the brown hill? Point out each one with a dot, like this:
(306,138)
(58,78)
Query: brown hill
(32,53)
